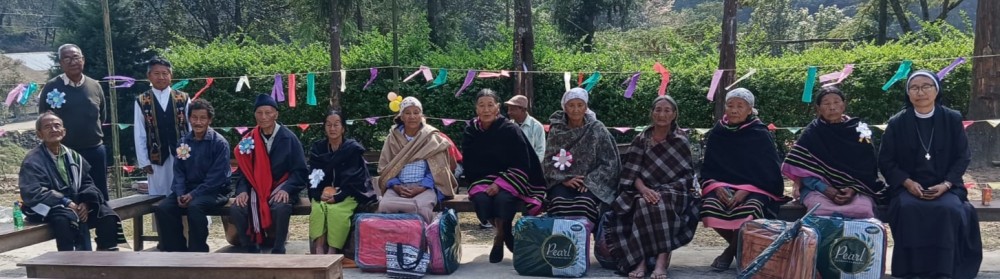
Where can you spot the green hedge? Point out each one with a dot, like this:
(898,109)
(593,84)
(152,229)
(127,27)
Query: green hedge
(778,90)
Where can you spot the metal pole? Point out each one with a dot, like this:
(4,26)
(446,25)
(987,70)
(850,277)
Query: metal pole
(395,45)
(116,173)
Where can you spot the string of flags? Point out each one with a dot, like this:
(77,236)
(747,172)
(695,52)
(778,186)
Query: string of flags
(21,92)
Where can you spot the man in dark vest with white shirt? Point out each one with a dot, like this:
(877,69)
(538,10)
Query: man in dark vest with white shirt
(160,121)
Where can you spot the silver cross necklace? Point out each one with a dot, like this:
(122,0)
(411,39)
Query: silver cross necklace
(927,149)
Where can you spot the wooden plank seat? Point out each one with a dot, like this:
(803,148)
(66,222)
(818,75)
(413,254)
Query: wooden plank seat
(182,265)
(131,207)
(303,207)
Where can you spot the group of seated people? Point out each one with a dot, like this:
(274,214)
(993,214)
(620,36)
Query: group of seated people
(650,193)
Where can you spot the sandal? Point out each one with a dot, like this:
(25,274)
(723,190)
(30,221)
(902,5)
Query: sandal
(720,264)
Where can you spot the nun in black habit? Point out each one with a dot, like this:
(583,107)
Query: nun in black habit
(923,156)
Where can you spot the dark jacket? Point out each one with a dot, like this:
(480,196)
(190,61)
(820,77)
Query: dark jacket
(42,187)
(287,156)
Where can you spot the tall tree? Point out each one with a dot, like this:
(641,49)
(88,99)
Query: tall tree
(984,141)
(727,54)
(435,19)
(334,25)
(904,23)
(948,5)
(82,23)
(524,45)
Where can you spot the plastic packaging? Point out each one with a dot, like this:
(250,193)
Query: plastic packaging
(373,231)
(850,248)
(545,246)
(6,215)
(795,259)
(444,240)
(602,249)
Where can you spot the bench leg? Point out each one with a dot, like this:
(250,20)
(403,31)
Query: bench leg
(137,233)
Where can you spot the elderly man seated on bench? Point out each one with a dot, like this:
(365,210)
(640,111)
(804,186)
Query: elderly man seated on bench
(57,189)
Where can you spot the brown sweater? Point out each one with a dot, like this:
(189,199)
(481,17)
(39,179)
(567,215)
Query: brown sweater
(82,114)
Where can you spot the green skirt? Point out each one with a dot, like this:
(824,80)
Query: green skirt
(332,220)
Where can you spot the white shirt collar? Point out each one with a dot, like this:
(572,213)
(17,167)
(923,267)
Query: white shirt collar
(162,92)
(70,82)
(927,115)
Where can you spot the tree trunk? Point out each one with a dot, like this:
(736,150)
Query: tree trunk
(923,10)
(590,10)
(435,20)
(883,22)
(904,23)
(727,55)
(524,45)
(335,54)
(359,19)
(984,140)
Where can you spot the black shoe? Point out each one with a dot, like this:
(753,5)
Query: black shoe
(496,255)
(253,249)
(278,251)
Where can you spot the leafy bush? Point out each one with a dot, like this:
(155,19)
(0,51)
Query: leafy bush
(778,83)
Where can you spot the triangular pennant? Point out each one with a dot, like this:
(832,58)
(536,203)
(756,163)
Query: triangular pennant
(208,83)
(993,123)
(965,124)
(794,130)
(901,73)
(701,131)
(226,129)
(881,127)
(441,78)
(180,84)
(374,74)
(291,90)
(122,126)
(714,86)
(641,128)
(303,126)
(993,184)
(686,130)
(546,126)
(243,81)
(623,129)
(350,122)
(371,120)
(771,127)
(128,169)
(591,81)
(241,130)
(447,121)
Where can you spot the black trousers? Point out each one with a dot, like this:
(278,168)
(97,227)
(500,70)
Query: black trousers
(503,205)
(71,235)
(280,214)
(97,157)
(171,230)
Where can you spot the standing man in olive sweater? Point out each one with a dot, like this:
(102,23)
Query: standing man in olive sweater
(79,101)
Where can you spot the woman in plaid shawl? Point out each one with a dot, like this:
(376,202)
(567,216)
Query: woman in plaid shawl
(657,209)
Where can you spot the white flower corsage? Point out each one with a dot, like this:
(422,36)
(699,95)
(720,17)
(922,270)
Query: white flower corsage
(315,177)
(55,98)
(246,146)
(864,134)
(183,151)
(563,160)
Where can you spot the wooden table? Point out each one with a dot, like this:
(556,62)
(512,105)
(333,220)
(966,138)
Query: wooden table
(156,265)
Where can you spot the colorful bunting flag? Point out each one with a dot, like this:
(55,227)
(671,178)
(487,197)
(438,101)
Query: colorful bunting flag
(630,84)
(502,73)
(468,81)
(291,90)
(373,74)
(447,121)
(126,82)
(180,84)
(901,73)
(343,81)
(623,129)
(122,126)
(303,126)
(771,127)
(881,127)
(664,78)
(32,87)
(350,122)
(714,86)
(244,81)
(701,131)
(965,124)
(311,89)
(566,77)
(944,72)
(591,81)
(226,129)
(745,76)
(426,71)
(371,120)
(208,83)
(14,94)
(242,130)
(794,130)
(993,123)
(278,90)
(807,90)
(441,79)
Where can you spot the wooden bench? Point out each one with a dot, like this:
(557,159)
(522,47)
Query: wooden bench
(304,207)
(788,212)
(182,265)
(131,207)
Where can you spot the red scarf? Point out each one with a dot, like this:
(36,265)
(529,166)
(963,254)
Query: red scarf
(258,164)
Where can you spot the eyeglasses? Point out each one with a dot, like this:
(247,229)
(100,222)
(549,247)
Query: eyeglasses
(922,88)
(72,59)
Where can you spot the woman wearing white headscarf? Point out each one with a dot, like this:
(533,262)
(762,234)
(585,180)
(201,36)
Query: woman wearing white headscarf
(414,168)
(581,160)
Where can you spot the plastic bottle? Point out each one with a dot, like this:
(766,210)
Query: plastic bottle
(18,216)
